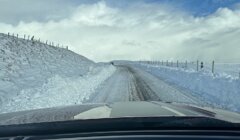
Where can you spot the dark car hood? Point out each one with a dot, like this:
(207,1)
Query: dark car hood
(116,110)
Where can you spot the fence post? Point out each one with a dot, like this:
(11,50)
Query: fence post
(167,63)
(17,35)
(197,65)
(201,65)
(32,38)
(8,34)
(177,63)
(24,36)
(186,64)
(212,66)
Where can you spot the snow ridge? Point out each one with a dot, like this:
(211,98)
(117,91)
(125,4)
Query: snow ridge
(59,91)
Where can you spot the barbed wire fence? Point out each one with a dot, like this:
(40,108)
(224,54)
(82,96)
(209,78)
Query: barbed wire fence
(213,67)
(33,40)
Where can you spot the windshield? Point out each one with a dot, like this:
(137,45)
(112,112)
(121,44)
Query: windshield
(84,59)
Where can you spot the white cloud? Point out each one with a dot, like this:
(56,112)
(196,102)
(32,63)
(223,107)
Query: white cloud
(141,31)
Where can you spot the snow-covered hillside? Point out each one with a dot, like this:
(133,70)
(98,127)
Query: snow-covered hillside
(35,75)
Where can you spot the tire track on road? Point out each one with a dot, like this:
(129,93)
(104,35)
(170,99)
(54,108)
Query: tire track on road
(143,91)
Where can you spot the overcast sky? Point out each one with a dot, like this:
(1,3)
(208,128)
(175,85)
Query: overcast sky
(143,29)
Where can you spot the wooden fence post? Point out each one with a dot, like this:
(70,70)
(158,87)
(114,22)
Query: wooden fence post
(186,64)
(177,63)
(212,66)
(197,65)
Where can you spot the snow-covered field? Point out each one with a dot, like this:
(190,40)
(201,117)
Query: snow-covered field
(35,75)
(225,69)
(218,90)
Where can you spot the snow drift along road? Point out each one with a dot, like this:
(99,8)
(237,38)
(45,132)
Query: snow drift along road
(216,90)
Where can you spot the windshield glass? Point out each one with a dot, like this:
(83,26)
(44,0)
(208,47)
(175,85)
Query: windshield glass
(83,59)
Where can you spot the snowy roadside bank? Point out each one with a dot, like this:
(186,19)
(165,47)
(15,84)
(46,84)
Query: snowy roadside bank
(217,90)
(28,64)
(59,91)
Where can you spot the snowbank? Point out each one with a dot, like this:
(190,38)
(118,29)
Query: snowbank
(217,90)
(59,91)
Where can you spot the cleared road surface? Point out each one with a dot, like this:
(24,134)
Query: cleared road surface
(129,83)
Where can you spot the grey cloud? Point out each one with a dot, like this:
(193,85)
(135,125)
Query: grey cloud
(14,11)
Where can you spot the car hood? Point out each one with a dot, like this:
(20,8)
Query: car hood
(116,110)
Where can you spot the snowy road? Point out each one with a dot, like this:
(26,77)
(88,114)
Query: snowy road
(129,83)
